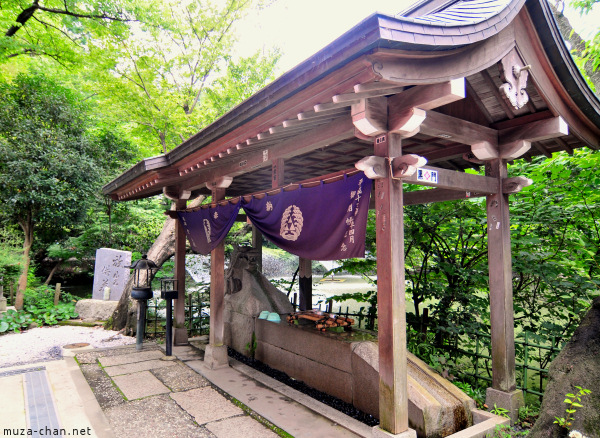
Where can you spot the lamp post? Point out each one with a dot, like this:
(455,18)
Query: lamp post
(168,292)
(143,271)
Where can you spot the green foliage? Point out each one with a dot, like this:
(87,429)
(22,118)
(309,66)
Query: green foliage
(573,402)
(10,257)
(166,97)
(477,393)
(505,431)
(39,308)
(591,53)
(501,412)
(63,31)
(251,346)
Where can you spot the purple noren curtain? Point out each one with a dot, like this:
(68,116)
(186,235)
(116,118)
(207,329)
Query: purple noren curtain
(325,222)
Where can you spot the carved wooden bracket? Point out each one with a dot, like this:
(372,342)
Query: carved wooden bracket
(373,167)
(221,183)
(402,166)
(406,165)
(516,184)
(370,116)
(407,123)
(515,77)
(175,193)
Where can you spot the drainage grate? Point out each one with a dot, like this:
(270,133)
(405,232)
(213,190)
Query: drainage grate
(23,371)
(40,408)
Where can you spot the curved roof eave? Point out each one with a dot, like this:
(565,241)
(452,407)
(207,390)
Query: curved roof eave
(561,60)
(377,31)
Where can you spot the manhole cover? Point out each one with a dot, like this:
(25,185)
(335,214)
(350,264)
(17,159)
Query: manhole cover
(76,345)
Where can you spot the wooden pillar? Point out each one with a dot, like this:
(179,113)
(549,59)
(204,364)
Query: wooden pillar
(393,393)
(503,392)
(180,332)
(216,352)
(305,283)
(257,242)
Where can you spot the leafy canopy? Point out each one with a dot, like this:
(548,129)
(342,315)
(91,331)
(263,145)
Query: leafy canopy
(51,162)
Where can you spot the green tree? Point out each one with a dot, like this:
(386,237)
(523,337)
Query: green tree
(166,96)
(62,30)
(591,54)
(49,172)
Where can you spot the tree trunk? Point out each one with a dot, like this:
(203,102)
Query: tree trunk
(52,272)
(27,226)
(163,248)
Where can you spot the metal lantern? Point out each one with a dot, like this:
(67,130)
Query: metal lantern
(143,272)
(168,292)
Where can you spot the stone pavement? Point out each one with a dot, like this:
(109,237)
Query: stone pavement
(142,393)
(120,392)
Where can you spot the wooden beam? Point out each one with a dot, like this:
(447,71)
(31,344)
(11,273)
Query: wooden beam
(437,195)
(332,105)
(307,115)
(495,91)
(406,123)
(429,96)
(471,92)
(337,130)
(370,116)
(458,130)
(374,86)
(450,179)
(532,132)
(447,153)
(367,94)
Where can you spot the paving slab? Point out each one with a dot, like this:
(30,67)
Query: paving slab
(295,418)
(106,394)
(180,377)
(137,366)
(240,427)
(92,356)
(157,416)
(205,405)
(187,352)
(139,385)
(109,361)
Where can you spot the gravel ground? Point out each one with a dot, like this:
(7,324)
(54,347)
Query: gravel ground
(45,343)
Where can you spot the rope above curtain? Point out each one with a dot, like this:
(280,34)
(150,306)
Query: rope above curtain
(324,222)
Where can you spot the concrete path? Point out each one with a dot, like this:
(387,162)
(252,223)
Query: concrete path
(120,392)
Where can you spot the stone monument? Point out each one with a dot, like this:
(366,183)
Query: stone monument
(247,293)
(110,272)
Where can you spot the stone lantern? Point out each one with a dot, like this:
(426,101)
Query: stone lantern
(143,272)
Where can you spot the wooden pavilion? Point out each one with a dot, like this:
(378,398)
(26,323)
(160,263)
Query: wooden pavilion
(462,83)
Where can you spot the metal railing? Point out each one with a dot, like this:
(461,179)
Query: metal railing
(532,359)
(469,349)
(196,315)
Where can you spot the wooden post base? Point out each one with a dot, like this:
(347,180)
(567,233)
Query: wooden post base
(380,433)
(511,401)
(215,356)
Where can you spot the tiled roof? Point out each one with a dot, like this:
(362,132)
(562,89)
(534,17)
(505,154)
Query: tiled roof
(463,12)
